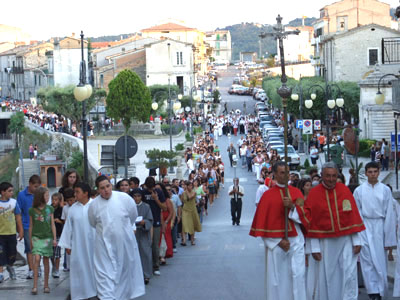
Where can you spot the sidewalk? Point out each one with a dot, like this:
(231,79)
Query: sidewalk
(20,289)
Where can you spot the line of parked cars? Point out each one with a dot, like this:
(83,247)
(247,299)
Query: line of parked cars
(256,93)
(274,138)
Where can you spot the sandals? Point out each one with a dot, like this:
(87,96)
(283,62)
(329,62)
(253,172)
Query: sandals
(34,291)
(183,244)
(46,290)
(193,243)
(162,261)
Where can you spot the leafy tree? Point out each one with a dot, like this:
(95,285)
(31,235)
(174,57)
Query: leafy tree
(160,159)
(61,100)
(128,99)
(17,125)
(77,162)
(350,93)
(216,95)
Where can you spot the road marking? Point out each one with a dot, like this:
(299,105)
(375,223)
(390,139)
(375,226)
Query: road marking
(235,247)
(240,179)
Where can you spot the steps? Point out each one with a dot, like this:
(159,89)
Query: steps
(31,167)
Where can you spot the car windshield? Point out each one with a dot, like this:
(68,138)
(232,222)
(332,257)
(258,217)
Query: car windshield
(281,149)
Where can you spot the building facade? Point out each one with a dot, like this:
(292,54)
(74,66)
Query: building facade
(184,34)
(23,71)
(298,48)
(220,42)
(352,55)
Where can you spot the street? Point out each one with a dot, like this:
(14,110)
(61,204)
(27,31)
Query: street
(226,263)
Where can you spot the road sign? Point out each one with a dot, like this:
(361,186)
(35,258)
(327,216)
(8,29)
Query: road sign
(299,124)
(132,147)
(307,126)
(317,124)
(392,141)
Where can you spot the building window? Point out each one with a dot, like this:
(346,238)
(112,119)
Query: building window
(372,57)
(319,32)
(217,45)
(179,58)
(35,80)
(217,53)
(101,80)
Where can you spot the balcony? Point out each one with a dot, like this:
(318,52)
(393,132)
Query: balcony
(17,70)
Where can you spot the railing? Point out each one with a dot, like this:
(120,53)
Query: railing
(5,136)
(390,50)
(17,70)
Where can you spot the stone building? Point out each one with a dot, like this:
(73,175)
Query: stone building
(377,121)
(298,48)
(221,44)
(352,55)
(23,70)
(184,34)
(340,17)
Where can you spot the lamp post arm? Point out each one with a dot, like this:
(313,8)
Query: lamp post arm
(386,75)
(317,86)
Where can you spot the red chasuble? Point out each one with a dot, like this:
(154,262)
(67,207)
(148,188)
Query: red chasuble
(334,212)
(269,220)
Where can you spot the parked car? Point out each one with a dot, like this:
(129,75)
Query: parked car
(274,143)
(292,154)
(234,88)
(260,95)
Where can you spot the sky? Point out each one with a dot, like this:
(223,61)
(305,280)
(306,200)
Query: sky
(48,18)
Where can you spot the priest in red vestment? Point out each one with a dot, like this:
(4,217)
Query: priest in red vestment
(285,259)
(333,238)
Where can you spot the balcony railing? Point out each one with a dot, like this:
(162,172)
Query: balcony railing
(17,70)
(390,50)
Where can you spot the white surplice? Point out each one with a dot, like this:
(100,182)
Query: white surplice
(396,286)
(376,209)
(336,274)
(285,271)
(78,236)
(117,266)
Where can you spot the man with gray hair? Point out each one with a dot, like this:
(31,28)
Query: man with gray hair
(333,238)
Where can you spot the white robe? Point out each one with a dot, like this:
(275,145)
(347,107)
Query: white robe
(78,236)
(117,266)
(336,273)
(376,209)
(396,286)
(260,191)
(285,271)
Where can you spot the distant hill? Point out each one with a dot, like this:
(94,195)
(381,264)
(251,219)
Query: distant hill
(111,38)
(299,22)
(245,38)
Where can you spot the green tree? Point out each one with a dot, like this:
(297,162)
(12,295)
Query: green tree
(128,99)
(17,125)
(216,95)
(160,159)
(61,100)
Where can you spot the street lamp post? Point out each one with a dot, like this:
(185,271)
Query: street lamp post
(296,97)
(173,105)
(330,104)
(380,99)
(82,92)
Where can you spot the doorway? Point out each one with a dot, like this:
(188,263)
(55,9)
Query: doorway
(51,177)
(179,82)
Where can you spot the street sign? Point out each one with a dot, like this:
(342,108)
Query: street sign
(307,126)
(299,124)
(132,147)
(317,124)
(392,142)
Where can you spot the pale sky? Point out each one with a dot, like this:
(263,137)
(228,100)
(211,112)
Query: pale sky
(48,18)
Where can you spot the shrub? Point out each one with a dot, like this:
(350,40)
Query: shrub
(188,137)
(179,147)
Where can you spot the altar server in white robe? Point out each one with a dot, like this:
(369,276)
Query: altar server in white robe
(396,286)
(374,201)
(78,239)
(117,266)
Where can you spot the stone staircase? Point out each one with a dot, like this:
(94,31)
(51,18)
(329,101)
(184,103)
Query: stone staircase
(31,167)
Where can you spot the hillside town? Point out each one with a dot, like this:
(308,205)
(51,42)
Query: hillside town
(253,161)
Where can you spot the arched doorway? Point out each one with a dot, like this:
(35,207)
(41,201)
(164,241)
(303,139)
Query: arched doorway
(51,177)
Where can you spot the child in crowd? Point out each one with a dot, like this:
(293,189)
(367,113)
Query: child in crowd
(78,240)
(57,201)
(42,233)
(143,233)
(10,219)
(69,200)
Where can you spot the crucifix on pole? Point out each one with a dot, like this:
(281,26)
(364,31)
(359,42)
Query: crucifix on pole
(284,92)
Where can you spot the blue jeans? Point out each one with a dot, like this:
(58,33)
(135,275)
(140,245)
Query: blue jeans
(27,241)
(174,233)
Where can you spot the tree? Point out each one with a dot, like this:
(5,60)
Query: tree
(160,159)
(128,99)
(61,100)
(17,125)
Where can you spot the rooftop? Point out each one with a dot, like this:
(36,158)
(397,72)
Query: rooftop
(168,26)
